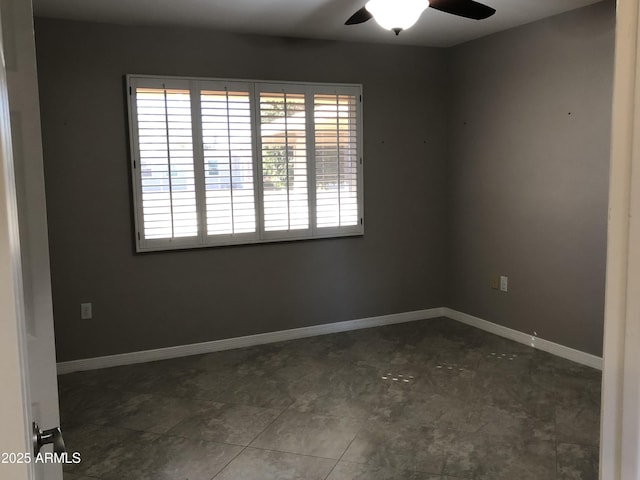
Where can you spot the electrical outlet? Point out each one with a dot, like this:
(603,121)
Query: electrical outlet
(86,311)
(504,283)
(495,282)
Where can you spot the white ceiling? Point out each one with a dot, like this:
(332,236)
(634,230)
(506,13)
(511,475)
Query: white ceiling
(304,18)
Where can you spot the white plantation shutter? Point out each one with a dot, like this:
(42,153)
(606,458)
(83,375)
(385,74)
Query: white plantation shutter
(218,162)
(228,161)
(284,161)
(336,160)
(166,166)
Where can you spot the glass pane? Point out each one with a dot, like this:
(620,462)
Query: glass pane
(284,161)
(166,163)
(336,156)
(226,136)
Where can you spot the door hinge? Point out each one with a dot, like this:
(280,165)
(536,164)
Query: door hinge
(361,221)
(360,98)
(130,91)
(134,163)
(138,235)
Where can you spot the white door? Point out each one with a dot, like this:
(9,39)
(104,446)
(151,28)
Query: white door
(28,351)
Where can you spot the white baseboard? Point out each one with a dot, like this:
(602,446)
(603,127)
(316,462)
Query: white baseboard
(531,340)
(315,330)
(248,341)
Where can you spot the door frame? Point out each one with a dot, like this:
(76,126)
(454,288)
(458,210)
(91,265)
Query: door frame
(620,425)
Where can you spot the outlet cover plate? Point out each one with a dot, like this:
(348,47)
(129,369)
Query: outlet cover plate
(86,311)
(504,283)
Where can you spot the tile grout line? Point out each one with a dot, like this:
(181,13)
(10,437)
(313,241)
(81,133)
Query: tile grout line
(576,444)
(345,451)
(227,464)
(555,431)
(262,449)
(248,444)
(444,464)
(267,427)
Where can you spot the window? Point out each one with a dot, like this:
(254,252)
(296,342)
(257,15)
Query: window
(219,162)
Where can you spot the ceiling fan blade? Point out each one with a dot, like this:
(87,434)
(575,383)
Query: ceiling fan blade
(360,16)
(463,8)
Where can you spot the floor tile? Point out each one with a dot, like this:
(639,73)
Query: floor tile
(257,391)
(302,369)
(135,411)
(356,471)
(161,378)
(309,434)
(354,392)
(239,358)
(102,449)
(578,423)
(73,476)
(172,458)
(485,457)
(567,390)
(337,348)
(77,402)
(255,464)
(373,394)
(149,413)
(220,422)
(497,421)
(416,400)
(515,392)
(399,446)
(442,377)
(187,383)
(414,408)
(114,377)
(577,462)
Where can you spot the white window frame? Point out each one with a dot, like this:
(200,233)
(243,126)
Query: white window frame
(254,87)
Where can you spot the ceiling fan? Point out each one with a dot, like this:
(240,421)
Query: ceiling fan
(398,15)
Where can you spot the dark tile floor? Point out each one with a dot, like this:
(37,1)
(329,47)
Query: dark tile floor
(430,400)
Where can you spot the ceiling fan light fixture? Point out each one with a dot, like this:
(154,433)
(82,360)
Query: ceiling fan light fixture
(396,15)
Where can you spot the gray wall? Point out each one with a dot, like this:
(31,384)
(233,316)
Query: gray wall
(144,301)
(529,151)
(486,158)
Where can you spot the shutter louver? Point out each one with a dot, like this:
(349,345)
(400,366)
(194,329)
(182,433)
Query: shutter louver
(166,163)
(232,162)
(284,161)
(228,162)
(336,155)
